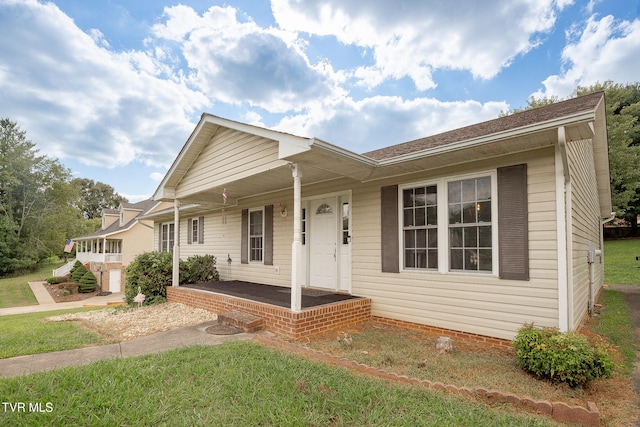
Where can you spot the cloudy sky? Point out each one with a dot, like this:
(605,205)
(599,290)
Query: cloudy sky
(113,88)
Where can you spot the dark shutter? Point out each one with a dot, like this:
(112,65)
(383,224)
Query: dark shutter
(189,230)
(244,237)
(201,230)
(389,229)
(513,223)
(268,235)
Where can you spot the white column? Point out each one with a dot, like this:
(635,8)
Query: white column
(296,246)
(175,276)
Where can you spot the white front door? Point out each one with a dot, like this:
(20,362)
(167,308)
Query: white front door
(115,277)
(323,238)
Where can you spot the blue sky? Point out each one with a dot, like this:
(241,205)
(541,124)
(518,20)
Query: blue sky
(114,88)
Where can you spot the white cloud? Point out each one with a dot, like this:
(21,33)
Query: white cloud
(386,120)
(78,99)
(239,62)
(156,176)
(605,49)
(414,38)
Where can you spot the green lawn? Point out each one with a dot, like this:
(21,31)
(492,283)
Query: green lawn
(15,291)
(30,334)
(620,265)
(235,384)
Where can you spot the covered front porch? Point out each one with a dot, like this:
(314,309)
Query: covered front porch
(320,311)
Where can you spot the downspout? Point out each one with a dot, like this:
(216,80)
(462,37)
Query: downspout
(563,239)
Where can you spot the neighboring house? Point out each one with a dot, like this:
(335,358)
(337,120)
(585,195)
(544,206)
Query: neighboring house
(122,236)
(480,229)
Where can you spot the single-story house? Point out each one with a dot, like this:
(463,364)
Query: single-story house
(122,236)
(477,230)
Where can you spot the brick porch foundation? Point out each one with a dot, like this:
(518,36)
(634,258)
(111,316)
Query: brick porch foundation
(279,320)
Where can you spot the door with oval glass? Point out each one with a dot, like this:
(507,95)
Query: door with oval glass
(323,243)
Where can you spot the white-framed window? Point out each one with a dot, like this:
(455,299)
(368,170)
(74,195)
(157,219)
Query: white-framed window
(256,235)
(470,224)
(420,227)
(304,226)
(167,233)
(195,230)
(449,224)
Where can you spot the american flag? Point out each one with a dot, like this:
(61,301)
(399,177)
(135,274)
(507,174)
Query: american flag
(68,246)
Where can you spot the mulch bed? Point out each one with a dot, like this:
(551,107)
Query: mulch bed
(57,292)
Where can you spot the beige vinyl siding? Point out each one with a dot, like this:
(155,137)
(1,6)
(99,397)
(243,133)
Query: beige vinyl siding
(475,303)
(585,224)
(229,154)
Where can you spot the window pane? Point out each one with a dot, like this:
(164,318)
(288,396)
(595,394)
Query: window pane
(469,213)
(455,213)
(433,258)
(409,239)
(408,217)
(421,258)
(419,196)
(432,195)
(470,259)
(433,238)
(409,258)
(420,217)
(469,190)
(455,237)
(456,259)
(484,188)
(455,192)
(421,238)
(470,237)
(484,211)
(485,260)
(432,215)
(484,237)
(407,198)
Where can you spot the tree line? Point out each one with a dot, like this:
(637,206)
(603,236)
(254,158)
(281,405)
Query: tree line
(41,204)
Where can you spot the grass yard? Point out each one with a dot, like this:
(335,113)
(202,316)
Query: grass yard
(15,291)
(30,334)
(235,384)
(620,265)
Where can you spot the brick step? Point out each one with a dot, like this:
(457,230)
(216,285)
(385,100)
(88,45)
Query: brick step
(245,321)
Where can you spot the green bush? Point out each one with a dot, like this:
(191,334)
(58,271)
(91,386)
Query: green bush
(87,283)
(199,269)
(78,272)
(151,272)
(561,357)
(56,279)
(74,266)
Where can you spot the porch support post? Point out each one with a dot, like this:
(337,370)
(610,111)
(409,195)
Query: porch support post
(296,246)
(175,275)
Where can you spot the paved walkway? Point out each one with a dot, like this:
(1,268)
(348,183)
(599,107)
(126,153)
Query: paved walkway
(155,343)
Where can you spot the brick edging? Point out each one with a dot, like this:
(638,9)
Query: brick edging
(559,411)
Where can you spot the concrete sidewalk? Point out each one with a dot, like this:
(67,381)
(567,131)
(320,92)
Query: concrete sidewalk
(155,343)
(46,302)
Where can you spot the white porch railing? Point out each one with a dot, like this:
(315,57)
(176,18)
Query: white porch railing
(64,270)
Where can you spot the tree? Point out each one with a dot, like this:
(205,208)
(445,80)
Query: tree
(622,104)
(95,196)
(623,128)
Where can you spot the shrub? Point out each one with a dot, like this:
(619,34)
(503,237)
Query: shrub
(151,272)
(199,269)
(78,272)
(56,279)
(561,357)
(87,283)
(74,266)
